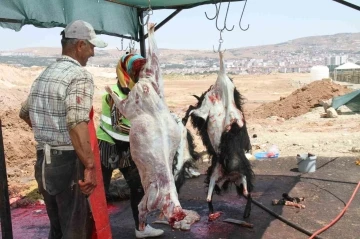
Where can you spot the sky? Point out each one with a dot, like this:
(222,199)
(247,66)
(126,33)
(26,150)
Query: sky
(271,22)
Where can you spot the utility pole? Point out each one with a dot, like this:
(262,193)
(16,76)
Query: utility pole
(5,214)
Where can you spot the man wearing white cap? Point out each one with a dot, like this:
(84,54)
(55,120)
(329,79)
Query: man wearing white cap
(57,109)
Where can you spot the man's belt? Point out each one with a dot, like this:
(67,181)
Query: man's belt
(47,158)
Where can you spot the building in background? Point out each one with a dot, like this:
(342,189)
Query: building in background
(334,61)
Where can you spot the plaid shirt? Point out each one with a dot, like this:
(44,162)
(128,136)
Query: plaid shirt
(59,99)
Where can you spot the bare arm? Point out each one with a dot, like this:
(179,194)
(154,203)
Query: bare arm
(78,103)
(81,141)
(24,113)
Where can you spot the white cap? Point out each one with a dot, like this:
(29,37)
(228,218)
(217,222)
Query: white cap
(84,31)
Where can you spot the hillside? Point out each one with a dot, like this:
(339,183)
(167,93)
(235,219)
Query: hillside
(343,43)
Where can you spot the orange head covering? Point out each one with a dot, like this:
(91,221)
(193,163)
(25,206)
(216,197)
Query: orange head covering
(128,70)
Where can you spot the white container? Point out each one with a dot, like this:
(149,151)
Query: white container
(319,72)
(306,163)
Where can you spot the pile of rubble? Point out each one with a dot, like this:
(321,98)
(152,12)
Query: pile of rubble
(301,101)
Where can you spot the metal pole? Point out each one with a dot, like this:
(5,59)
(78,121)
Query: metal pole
(141,34)
(165,21)
(5,215)
(348,4)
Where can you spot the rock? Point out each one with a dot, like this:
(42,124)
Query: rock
(326,103)
(343,109)
(355,149)
(10,172)
(327,80)
(331,113)
(324,115)
(315,146)
(281,119)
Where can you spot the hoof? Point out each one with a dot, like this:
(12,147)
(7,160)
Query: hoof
(247,213)
(248,207)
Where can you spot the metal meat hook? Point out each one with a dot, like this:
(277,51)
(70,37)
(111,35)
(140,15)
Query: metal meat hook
(216,13)
(149,12)
(220,43)
(217,8)
(241,18)
(132,46)
(122,45)
(217,17)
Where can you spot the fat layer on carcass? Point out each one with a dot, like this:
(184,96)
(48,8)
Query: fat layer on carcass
(154,139)
(219,105)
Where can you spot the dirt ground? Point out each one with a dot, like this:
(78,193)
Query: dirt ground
(292,124)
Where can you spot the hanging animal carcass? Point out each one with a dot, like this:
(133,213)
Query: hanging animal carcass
(185,157)
(220,121)
(154,139)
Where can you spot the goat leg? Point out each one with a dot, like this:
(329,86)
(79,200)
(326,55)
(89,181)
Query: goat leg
(248,206)
(214,177)
(142,215)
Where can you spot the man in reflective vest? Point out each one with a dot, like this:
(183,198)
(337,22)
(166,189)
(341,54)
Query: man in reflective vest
(113,137)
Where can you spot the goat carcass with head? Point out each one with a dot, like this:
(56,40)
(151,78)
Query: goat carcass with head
(154,139)
(185,157)
(220,121)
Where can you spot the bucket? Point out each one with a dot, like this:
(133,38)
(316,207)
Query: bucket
(306,163)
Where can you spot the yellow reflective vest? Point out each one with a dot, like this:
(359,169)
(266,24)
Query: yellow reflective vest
(105,131)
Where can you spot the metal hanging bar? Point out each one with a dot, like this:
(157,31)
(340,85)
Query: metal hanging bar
(142,35)
(5,214)
(356,7)
(241,18)
(165,20)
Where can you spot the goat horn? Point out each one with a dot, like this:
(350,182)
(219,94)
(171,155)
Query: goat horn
(197,97)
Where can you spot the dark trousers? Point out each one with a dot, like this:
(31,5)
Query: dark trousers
(132,177)
(68,209)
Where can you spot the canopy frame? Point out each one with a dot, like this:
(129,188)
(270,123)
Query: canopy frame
(345,3)
(4,200)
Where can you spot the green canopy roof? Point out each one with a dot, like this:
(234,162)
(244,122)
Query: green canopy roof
(168,4)
(106,17)
(110,17)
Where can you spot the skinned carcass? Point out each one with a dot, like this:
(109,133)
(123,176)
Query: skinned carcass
(154,139)
(185,156)
(221,124)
